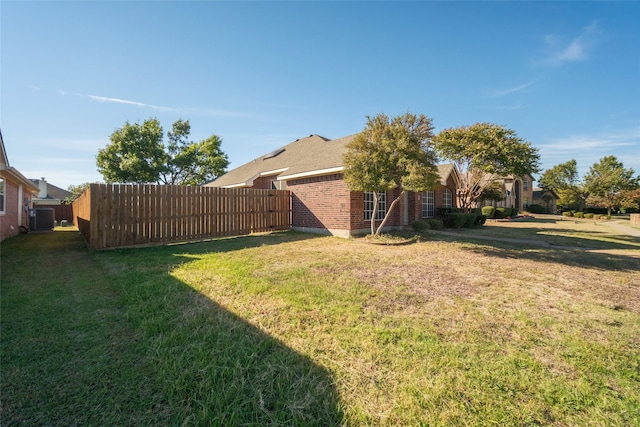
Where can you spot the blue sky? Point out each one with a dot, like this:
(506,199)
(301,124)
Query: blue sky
(564,75)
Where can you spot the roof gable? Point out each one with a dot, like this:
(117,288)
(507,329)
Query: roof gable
(304,156)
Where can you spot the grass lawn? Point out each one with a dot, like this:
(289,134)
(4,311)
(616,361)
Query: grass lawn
(295,329)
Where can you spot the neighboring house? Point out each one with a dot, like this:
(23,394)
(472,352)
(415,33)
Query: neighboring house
(545,198)
(311,168)
(50,196)
(16,193)
(517,191)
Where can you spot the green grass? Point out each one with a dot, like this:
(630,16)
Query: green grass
(292,329)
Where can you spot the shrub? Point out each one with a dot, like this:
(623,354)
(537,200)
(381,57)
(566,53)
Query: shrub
(599,211)
(537,209)
(589,215)
(488,211)
(455,220)
(579,214)
(420,225)
(502,213)
(567,213)
(470,220)
(435,224)
(442,212)
(463,220)
(514,211)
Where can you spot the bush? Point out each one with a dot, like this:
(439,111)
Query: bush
(599,211)
(567,213)
(420,225)
(488,211)
(502,213)
(589,215)
(463,220)
(579,214)
(514,212)
(442,212)
(454,220)
(537,209)
(435,224)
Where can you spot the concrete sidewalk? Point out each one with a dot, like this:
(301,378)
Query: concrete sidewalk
(629,231)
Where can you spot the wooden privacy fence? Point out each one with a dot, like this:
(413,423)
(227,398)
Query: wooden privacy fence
(113,215)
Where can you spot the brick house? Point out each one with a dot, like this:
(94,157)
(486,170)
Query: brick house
(311,169)
(546,198)
(517,191)
(16,193)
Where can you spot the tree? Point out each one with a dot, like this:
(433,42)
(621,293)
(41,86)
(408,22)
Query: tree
(492,192)
(483,152)
(607,180)
(76,191)
(391,153)
(564,181)
(629,199)
(137,154)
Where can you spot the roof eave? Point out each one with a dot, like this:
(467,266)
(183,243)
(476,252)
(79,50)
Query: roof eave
(308,174)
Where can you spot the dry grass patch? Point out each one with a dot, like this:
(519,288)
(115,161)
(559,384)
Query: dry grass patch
(289,329)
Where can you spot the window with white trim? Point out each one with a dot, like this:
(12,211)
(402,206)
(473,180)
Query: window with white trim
(2,195)
(525,184)
(369,201)
(428,204)
(448,198)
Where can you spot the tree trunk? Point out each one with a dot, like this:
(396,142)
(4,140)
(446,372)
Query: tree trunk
(374,212)
(387,215)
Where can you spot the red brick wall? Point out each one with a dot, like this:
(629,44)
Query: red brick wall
(321,202)
(9,225)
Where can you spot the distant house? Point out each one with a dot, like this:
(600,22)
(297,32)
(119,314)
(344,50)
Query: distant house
(517,192)
(311,168)
(16,193)
(546,198)
(50,196)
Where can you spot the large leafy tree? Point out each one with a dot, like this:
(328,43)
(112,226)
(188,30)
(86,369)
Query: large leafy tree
(137,154)
(391,153)
(482,153)
(563,179)
(608,180)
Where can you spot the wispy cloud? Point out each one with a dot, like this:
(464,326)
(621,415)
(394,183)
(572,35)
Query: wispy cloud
(589,149)
(201,111)
(511,90)
(126,102)
(603,142)
(577,49)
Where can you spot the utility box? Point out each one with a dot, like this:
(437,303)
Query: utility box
(42,219)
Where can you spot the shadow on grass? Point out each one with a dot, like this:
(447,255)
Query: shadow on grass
(111,338)
(572,252)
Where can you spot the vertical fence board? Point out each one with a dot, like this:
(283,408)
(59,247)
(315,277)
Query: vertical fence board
(112,215)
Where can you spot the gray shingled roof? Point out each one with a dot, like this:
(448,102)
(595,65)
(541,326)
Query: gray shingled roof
(312,155)
(309,155)
(53,192)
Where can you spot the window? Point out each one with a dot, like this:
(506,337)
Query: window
(368,205)
(428,204)
(448,198)
(525,184)
(2,195)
